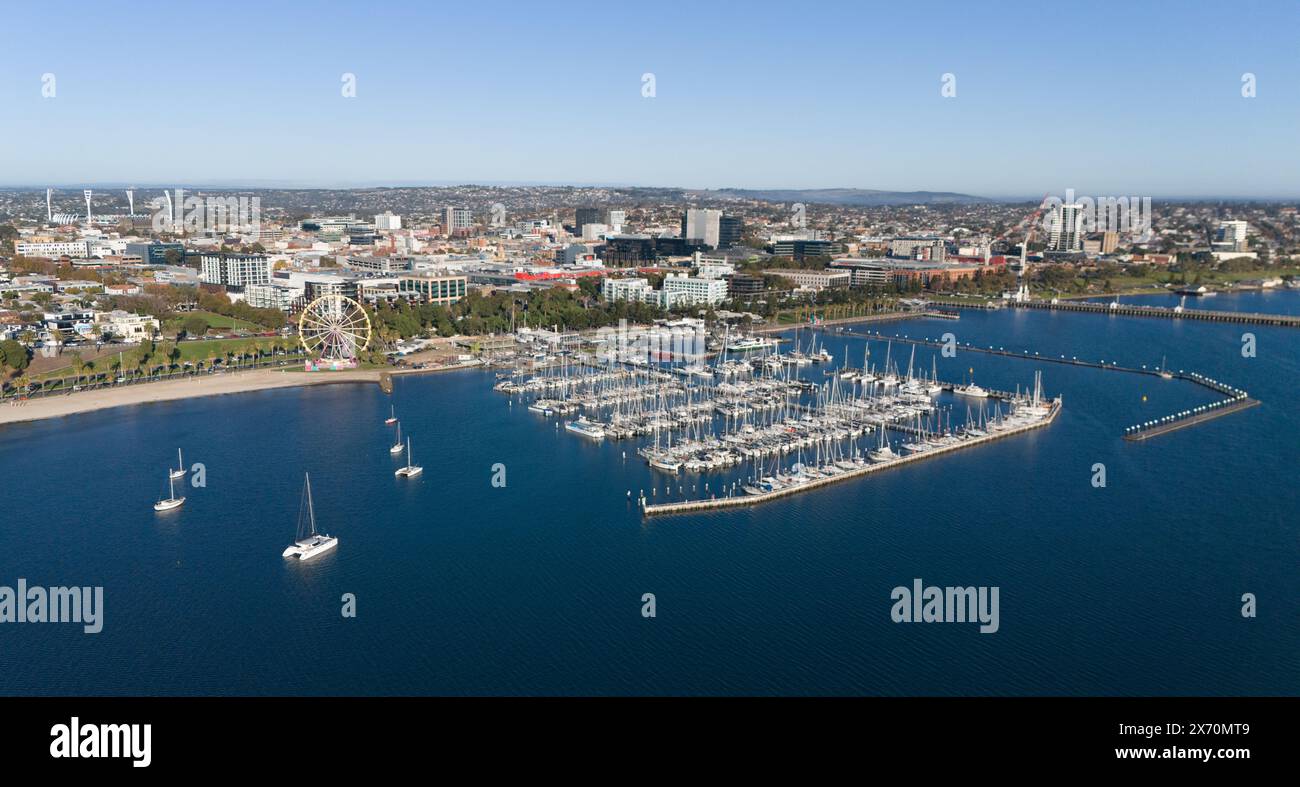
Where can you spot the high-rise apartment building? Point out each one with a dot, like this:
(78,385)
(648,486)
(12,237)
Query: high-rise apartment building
(234,270)
(1065,228)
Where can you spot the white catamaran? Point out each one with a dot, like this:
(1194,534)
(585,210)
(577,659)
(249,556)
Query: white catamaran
(309,543)
(412,469)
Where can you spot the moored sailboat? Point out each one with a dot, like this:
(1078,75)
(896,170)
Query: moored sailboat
(411,470)
(171,501)
(310,543)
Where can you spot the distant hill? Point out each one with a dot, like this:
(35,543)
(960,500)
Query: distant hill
(854,197)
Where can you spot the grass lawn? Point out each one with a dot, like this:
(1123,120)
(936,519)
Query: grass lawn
(216,321)
(217,348)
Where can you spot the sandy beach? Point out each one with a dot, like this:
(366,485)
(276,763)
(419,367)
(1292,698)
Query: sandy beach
(204,385)
(201,385)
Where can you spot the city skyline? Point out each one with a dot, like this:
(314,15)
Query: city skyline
(462,95)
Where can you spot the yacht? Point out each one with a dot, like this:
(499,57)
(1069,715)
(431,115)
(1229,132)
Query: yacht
(747,344)
(586,428)
(933,388)
(667,464)
(397,447)
(971,390)
(179,472)
(392,417)
(883,454)
(411,470)
(309,543)
(171,501)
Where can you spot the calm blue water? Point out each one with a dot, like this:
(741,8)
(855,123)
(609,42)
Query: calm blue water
(536,588)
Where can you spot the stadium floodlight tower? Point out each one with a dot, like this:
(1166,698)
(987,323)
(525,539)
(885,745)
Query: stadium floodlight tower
(130,201)
(89,217)
(49,208)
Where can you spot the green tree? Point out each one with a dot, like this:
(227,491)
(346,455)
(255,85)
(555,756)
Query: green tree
(14,355)
(195,325)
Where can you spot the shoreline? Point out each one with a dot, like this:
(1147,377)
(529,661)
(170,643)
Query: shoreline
(192,388)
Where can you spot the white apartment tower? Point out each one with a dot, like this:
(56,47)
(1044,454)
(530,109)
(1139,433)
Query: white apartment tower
(1065,228)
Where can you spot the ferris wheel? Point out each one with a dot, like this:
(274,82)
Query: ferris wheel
(334,328)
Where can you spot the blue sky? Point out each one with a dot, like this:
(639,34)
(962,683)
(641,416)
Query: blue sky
(1107,98)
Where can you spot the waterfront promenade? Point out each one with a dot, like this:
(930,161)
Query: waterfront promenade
(17,410)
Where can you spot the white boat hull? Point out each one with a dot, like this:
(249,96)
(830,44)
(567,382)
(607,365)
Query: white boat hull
(169,504)
(312,547)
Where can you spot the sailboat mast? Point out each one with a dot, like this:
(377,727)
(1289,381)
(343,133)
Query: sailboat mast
(311,511)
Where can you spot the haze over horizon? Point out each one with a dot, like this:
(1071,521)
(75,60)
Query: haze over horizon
(498,95)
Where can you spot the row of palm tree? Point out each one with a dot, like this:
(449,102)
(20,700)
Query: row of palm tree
(164,362)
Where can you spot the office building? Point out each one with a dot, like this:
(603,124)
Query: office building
(432,288)
(730,230)
(702,226)
(741,284)
(155,253)
(387,222)
(52,249)
(799,249)
(457,220)
(585,216)
(816,280)
(1231,236)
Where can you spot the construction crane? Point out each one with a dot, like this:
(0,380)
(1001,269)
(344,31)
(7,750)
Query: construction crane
(1026,224)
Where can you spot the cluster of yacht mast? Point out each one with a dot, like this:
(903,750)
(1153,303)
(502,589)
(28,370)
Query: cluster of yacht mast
(757,410)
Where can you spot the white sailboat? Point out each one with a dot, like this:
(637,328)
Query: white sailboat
(171,501)
(933,388)
(397,447)
(392,417)
(883,453)
(309,543)
(179,472)
(412,469)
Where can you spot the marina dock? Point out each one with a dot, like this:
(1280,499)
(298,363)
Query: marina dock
(691,506)
(1235,399)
